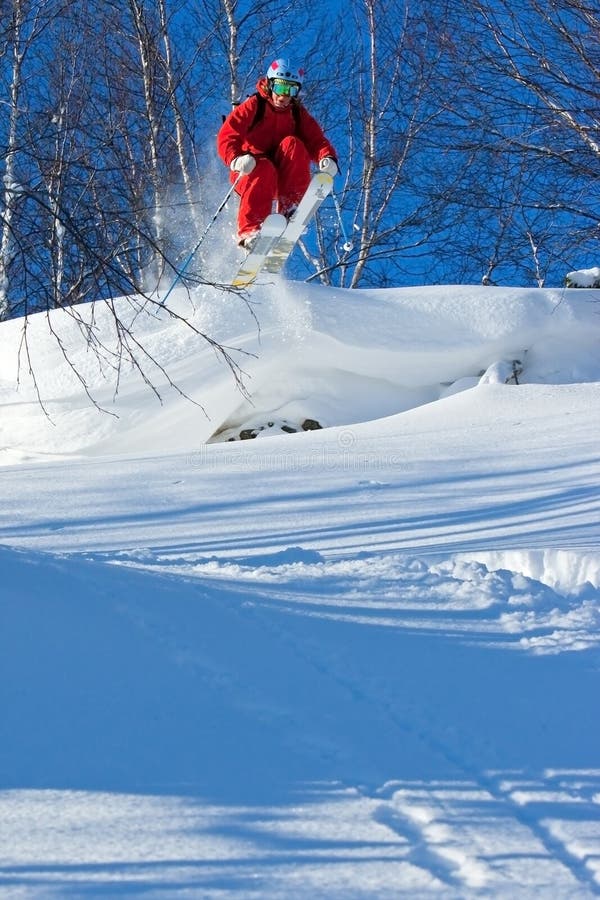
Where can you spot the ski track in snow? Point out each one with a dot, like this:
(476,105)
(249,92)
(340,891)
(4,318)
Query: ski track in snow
(467,830)
(435,823)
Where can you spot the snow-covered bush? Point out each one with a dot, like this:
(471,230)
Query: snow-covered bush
(584,278)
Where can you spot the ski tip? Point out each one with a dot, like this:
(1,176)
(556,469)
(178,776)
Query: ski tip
(273,224)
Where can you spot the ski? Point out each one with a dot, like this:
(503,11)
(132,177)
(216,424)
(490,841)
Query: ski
(319,188)
(272,229)
(278,237)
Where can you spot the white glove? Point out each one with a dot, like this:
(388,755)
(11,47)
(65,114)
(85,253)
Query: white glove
(243,164)
(329,165)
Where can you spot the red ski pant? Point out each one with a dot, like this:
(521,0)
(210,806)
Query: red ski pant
(284,179)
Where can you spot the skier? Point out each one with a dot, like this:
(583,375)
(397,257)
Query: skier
(270,139)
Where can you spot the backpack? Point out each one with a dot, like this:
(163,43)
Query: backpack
(260,111)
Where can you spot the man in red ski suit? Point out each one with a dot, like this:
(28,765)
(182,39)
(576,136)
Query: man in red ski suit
(270,139)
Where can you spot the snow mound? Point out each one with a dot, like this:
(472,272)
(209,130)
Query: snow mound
(303,352)
(584,278)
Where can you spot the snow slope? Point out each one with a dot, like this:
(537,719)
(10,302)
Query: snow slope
(360,661)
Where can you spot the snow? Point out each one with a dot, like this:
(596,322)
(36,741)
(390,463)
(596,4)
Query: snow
(584,278)
(357,661)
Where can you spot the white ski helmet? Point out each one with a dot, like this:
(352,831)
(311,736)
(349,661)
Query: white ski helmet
(283,68)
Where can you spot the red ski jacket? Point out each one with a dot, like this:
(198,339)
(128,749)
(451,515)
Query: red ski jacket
(243,133)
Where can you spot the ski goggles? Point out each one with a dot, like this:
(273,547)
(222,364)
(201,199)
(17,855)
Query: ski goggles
(284,88)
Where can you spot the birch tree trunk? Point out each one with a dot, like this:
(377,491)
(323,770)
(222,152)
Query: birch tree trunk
(10,188)
(181,144)
(146,45)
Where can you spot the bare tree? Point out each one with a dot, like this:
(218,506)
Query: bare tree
(244,36)
(88,152)
(380,112)
(174,74)
(145,29)
(25,25)
(530,82)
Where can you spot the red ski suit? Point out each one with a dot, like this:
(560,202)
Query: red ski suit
(284,142)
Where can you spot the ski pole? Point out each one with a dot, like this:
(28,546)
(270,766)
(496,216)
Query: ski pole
(190,256)
(347,245)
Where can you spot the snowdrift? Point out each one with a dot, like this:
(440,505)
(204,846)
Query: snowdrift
(336,357)
(358,661)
